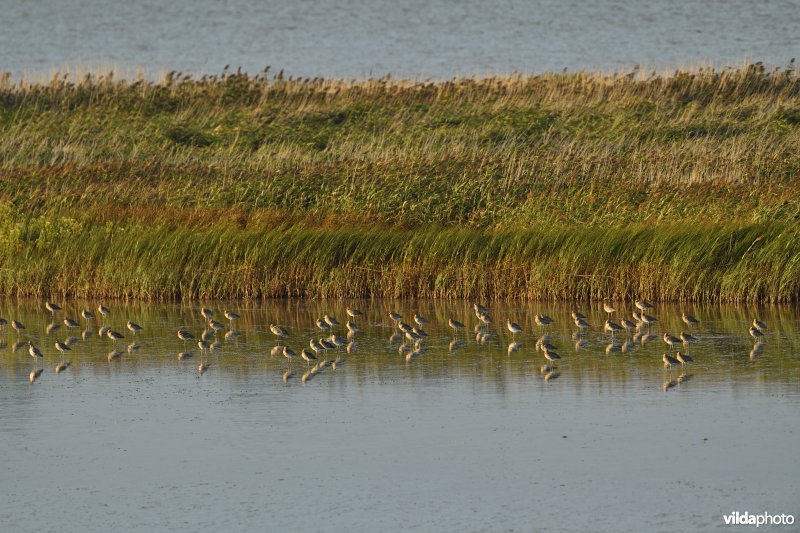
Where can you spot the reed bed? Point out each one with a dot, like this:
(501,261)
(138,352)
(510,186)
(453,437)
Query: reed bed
(681,186)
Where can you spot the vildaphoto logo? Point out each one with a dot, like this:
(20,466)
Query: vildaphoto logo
(764,519)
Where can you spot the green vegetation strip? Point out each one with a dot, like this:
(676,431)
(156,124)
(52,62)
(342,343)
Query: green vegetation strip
(560,186)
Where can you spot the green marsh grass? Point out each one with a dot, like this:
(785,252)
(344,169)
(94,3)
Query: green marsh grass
(561,186)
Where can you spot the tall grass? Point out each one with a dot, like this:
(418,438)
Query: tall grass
(679,186)
(169,261)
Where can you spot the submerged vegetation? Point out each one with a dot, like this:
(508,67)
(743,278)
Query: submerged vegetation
(675,186)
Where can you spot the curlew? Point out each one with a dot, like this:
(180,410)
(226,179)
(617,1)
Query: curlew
(339,342)
(202,344)
(683,358)
(756,333)
(543,320)
(331,321)
(307,356)
(455,325)
(551,355)
(672,341)
(17,326)
(216,326)
(315,345)
(185,336)
(328,345)
(35,352)
(612,327)
(643,305)
(581,323)
(513,327)
(648,320)
(689,320)
(278,330)
(289,354)
(669,361)
(114,336)
(485,319)
(87,315)
(53,308)
(231,316)
(62,347)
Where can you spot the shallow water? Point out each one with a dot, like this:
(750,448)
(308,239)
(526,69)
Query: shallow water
(470,438)
(356,38)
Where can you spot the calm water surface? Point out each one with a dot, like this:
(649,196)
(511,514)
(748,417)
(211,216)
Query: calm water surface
(355,38)
(464,436)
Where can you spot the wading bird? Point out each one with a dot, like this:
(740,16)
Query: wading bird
(683,358)
(17,326)
(669,361)
(185,336)
(35,352)
(689,320)
(278,330)
(62,347)
(513,327)
(307,356)
(114,336)
(672,341)
(643,305)
(231,316)
(134,327)
(612,327)
(455,325)
(755,333)
(87,315)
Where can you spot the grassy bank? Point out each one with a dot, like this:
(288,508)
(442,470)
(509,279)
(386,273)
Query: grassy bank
(682,186)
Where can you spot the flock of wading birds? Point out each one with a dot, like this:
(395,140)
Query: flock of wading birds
(415,335)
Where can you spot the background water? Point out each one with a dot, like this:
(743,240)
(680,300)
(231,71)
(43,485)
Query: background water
(355,38)
(465,436)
